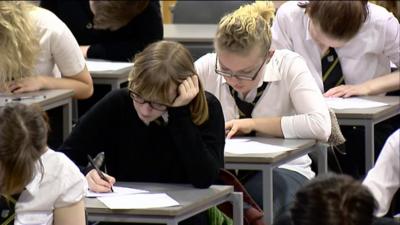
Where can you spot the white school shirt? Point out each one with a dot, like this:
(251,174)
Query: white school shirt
(383,180)
(366,56)
(60,54)
(291,94)
(61,185)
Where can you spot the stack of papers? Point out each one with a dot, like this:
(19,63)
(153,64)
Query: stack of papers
(130,198)
(247,146)
(352,103)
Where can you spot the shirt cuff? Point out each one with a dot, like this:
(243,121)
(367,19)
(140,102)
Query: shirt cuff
(179,112)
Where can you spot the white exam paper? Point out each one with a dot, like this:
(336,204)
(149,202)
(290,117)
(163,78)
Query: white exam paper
(118,191)
(352,103)
(101,66)
(139,201)
(247,146)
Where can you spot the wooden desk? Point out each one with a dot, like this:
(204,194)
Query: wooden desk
(192,201)
(368,118)
(267,162)
(198,38)
(53,98)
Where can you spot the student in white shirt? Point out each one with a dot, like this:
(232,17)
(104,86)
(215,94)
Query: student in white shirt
(365,36)
(291,106)
(39,52)
(50,187)
(383,180)
(366,39)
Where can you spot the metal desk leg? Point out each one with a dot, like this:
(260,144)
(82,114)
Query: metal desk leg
(322,158)
(115,85)
(67,119)
(237,202)
(268,200)
(172,222)
(369,146)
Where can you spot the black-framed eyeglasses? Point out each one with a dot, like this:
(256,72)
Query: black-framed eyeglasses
(138,99)
(236,75)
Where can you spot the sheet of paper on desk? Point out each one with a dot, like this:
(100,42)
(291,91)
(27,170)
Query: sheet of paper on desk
(247,146)
(118,191)
(139,201)
(101,66)
(352,103)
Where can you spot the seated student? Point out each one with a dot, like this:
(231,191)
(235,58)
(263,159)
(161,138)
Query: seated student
(379,85)
(39,52)
(50,187)
(334,200)
(343,42)
(112,30)
(383,180)
(163,128)
(47,53)
(264,92)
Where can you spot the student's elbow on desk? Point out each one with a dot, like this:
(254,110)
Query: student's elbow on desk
(306,126)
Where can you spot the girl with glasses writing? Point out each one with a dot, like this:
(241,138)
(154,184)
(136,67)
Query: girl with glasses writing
(264,92)
(163,128)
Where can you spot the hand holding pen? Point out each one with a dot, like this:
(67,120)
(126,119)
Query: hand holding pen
(97,180)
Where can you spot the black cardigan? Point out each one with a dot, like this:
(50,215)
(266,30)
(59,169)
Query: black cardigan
(119,45)
(177,152)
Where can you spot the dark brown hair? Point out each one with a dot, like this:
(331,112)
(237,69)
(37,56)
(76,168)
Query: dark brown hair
(160,66)
(333,200)
(23,139)
(337,19)
(115,14)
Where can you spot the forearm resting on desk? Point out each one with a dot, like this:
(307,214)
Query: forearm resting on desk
(379,85)
(266,126)
(80,83)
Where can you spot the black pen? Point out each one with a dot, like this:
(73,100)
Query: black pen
(98,171)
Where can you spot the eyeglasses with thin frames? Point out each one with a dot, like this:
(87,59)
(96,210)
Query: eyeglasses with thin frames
(138,99)
(237,76)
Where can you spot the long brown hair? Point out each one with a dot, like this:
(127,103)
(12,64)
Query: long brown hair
(23,138)
(160,66)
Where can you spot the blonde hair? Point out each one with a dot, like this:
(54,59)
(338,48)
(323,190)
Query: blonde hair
(245,28)
(161,66)
(19,41)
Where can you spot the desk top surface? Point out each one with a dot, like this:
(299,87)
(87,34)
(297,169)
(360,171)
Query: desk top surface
(295,144)
(371,113)
(189,198)
(107,69)
(43,97)
(190,32)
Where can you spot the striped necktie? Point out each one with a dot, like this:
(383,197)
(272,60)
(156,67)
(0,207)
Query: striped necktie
(332,74)
(7,209)
(246,108)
